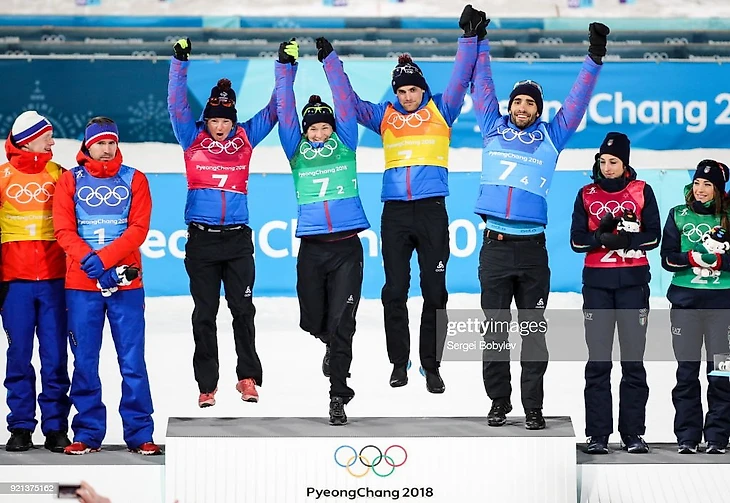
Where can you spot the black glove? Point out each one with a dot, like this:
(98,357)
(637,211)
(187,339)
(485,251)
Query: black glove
(288,52)
(182,48)
(324,48)
(615,241)
(597,39)
(473,22)
(482,28)
(608,224)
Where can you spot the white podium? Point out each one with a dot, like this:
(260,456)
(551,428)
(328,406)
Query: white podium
(114,472)
(661,476)
(436,460)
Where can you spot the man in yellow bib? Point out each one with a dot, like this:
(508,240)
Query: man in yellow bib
(416,133)
(34,266)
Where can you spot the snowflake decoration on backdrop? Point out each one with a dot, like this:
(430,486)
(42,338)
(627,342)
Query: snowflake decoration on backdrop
(147,116)
(64,125)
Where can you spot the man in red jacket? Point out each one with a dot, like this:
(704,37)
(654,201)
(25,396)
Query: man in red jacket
(102,215)
(33,267)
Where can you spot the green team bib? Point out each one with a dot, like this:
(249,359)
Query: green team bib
(326,173)
(692,227)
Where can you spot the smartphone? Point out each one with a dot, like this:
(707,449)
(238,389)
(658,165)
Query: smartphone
(67,491)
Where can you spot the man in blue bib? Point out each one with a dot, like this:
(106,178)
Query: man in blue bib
(518,161)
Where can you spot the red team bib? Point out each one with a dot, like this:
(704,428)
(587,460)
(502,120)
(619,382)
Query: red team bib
(210,164)
(597,202)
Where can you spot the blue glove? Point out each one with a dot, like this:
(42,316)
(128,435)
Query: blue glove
(92,266)
(109,279)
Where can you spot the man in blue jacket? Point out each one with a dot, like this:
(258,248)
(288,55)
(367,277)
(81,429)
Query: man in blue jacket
(519,157)
(416,128)
(220,247)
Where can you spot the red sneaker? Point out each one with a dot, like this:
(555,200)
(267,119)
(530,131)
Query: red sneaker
(247,388)
(207,399)
(79,448)
(147,449)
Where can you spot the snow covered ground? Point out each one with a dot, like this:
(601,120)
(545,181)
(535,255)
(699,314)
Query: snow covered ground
(294,386)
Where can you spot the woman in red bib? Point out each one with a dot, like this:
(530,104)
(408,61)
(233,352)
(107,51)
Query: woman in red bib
(615,222)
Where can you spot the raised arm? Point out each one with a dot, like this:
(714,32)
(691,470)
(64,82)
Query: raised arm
(568,118)
(368,114)
(474,23)
(290,132)
(451,101)
(344,100)
(260,125)
(183,123)
(486,105)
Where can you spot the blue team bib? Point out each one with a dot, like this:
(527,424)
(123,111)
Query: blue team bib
(102,205)
(521,159)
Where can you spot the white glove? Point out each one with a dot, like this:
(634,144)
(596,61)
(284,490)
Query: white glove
(125,276)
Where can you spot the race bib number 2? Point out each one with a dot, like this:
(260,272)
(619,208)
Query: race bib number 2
(312,189)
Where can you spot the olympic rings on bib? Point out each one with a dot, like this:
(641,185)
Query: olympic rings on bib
(32,191)
(95,197)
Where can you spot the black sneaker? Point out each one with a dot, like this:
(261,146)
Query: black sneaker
(498,413)
(634,444)
(687,448)
(20,440)
(597,445)
(399,376)
(326,362)
(337,411)
(56,441)
(715,448)
(434,383)
(534,419)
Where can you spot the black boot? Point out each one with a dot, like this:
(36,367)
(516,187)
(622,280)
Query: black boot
(534,419)
(399,376)
(337,411)
(20,440)
(597,445)
(434,383)
(57,441)
(498,413)
(634,444)
(326,362)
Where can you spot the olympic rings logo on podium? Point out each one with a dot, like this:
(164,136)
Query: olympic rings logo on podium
(347,461)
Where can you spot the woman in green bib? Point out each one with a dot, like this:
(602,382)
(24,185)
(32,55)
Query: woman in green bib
(330,262)
(694,247)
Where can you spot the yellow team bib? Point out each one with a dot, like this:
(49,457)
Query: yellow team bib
(421,138)
(26,213)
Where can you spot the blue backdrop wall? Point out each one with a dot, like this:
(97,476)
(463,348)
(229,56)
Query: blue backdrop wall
(273,221)
(681,113)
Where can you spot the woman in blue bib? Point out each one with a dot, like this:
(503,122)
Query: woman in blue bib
(321,153)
